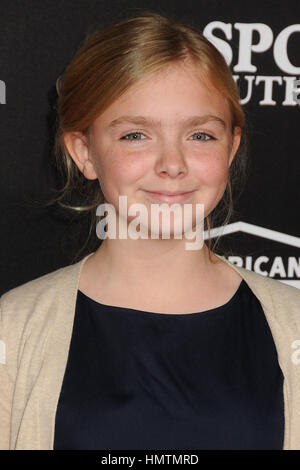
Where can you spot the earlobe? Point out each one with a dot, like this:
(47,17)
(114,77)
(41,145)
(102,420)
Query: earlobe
(78,149)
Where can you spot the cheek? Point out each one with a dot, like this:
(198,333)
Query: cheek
(212,178)
(126,166)
(212,170)
(118,171)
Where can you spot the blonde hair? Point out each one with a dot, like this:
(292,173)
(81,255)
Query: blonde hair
(108,63)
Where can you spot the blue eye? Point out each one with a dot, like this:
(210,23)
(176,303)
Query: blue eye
(125,137)
(133,136)
(203,134)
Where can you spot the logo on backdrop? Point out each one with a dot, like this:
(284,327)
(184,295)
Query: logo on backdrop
(296,94)
(285,270)
(2,92)
(247,48)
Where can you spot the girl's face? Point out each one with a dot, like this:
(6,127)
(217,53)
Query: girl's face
(167,133)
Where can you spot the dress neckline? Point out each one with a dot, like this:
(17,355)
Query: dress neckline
(116,308)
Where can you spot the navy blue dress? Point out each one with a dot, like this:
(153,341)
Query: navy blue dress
(144,380)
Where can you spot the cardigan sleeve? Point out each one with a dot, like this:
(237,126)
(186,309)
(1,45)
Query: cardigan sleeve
(6,387)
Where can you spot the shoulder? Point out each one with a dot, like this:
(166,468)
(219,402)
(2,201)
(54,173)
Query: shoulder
(267,287)
(280,301)
(37,295)
(277,289)
(34,287)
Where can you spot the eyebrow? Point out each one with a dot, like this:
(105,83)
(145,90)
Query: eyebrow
(142,120)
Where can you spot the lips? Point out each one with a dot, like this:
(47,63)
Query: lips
(169,193)
(164,196)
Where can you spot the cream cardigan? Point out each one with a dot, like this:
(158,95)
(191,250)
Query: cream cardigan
(35,332)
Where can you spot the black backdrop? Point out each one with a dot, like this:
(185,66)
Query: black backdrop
(37,40)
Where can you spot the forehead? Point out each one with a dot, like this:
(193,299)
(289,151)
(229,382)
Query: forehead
(168,94)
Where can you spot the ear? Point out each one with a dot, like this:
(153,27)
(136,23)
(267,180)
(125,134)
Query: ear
(79,150)
(236,140)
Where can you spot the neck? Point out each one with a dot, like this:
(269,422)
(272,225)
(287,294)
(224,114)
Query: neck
(151,265)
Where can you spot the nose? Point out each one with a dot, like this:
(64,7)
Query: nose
(171,161)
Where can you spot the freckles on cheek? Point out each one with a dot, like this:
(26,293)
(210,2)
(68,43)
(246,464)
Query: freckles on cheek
(213,173)
(121,168)
(134,163)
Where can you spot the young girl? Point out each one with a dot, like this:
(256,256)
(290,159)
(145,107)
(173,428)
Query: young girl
(143,343)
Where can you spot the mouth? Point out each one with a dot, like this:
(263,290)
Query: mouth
(165,196)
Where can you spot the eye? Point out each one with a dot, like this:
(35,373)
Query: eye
(202,136)
(135,136)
